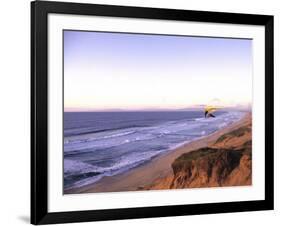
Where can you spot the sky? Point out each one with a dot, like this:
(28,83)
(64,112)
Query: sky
(107,71)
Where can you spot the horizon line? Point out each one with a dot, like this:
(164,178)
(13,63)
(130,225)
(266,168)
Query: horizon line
(153,109)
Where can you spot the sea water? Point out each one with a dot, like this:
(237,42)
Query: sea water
(98,144)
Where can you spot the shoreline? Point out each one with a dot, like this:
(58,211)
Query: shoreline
(157,168)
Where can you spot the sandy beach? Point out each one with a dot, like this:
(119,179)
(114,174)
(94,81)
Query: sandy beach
(158,168)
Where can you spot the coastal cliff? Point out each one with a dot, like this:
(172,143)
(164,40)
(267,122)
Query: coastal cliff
(226,162)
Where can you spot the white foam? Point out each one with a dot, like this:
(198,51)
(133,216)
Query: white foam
(75,166)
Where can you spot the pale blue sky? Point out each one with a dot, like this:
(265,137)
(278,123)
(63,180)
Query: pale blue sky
(104,71)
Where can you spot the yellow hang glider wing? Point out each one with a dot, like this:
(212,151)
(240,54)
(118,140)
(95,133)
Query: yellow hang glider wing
(210,109)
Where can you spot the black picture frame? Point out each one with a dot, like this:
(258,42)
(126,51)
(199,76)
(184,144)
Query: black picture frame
(39,112)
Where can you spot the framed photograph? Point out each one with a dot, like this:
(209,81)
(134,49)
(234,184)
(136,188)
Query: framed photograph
(145,112)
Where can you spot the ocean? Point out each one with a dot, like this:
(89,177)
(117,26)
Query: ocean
(98,144)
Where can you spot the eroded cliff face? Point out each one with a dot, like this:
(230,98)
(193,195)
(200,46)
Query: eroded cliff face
(227,162)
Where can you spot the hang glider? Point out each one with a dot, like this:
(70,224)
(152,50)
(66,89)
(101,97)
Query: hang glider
(209,110)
